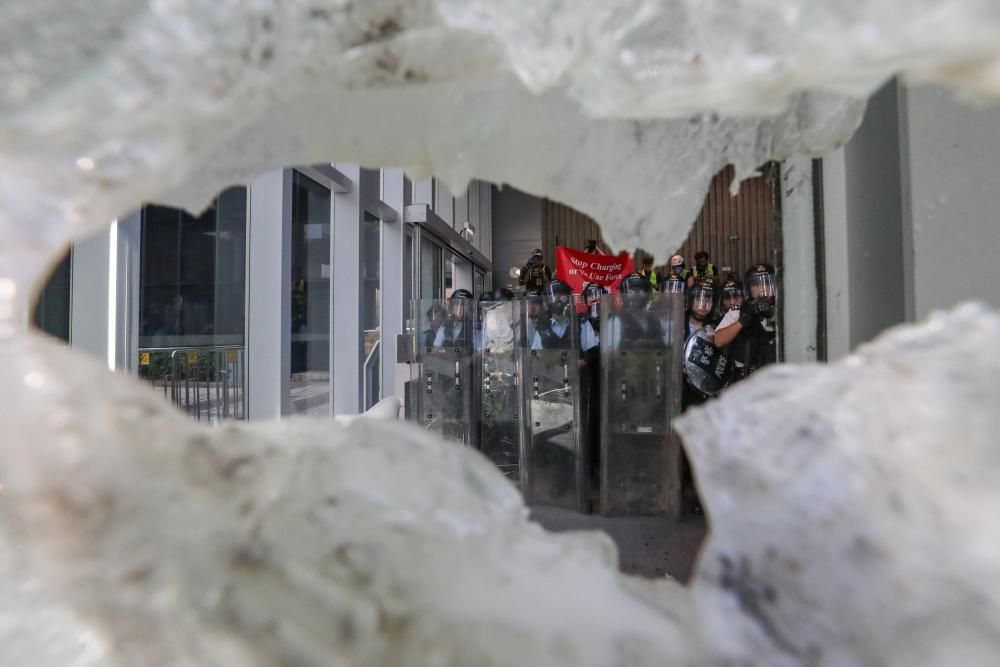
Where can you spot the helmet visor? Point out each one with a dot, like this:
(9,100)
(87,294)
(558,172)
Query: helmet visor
(673,286)
(701,301)
(762,286)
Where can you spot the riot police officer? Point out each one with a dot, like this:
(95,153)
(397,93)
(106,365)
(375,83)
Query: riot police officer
(673,284)
(498,320)
(701,306)
(731,297)
(436,315)
(753,327)
(634,326)
(557,454)
(456,331)
(484,298)
(503,294)
(498,398)
(702,377)
(639,391)
(553,333)
(445,378)
(593,293)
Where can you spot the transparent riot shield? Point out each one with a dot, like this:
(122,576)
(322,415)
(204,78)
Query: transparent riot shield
(557,457)
(441,382)
(500,402)
(642,339)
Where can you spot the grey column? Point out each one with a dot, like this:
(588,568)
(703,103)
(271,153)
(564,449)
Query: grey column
(268,312)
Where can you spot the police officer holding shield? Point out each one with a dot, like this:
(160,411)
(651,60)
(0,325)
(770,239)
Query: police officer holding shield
(706,365)
(557,473)
(593,294)
(634,326)
(640,462)
(553,332)
(500,401)
(457,329)
(753,327)
(444,382)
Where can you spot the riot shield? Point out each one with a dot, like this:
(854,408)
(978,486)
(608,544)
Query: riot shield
(706,367)
(501,426)
(641,345)
(557,472)
(442,373)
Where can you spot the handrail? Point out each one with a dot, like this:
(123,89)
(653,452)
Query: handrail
(207,382)
(369,360)
(193,348)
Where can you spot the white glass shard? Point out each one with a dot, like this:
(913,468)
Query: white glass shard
(853,506)
(298,542)
(151,540)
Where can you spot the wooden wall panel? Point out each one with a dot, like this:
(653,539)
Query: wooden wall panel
(735,231)
(565,226)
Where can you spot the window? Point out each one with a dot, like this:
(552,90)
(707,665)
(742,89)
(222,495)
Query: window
(309,384)
(431,270)
(408,294)
(371,308)
(480,283)
(193,274)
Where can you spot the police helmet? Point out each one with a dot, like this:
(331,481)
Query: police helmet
(534,295)
(702,295)
(673,285)
(593,291)
(634,283)
(503,294)
(733,293)
(557,289)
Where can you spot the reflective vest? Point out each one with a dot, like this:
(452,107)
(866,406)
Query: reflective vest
(708,274)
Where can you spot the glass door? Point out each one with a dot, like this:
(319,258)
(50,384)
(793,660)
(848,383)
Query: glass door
(431,269)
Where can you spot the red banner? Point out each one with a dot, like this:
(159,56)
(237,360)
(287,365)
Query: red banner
(578,268)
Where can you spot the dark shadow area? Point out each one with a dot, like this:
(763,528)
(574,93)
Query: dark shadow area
(647,546)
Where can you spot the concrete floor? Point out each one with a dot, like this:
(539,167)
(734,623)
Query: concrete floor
(647,547)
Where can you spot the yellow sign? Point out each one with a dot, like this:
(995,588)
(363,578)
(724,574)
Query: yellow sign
(231,356)
(144,358)
(192,357)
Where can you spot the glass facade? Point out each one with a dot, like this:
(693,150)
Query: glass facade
(408,294)
(193,274)
(52,312)
(182,295)
(431,270)
(479,283)
(192,304)
(371,308)
(309,384)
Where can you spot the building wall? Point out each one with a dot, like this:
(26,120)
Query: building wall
(910,214)
(875,224)
(951,192)
(518,230)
